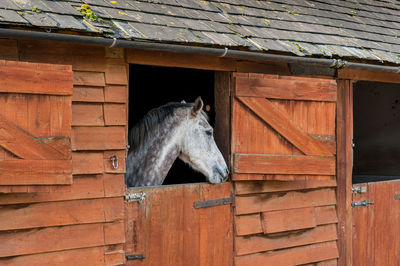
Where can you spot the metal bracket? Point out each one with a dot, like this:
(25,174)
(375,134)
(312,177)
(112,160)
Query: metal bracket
(212,203)
(134,256)
(359,189)
(131,197)
(361,203)
(114,161)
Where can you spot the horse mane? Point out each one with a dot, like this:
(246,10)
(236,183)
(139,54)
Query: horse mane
(144,130)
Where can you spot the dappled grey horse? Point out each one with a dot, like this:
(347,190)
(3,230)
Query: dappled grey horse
(175,130)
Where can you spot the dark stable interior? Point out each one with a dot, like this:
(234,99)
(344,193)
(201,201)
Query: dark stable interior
(376,132)
(152,86)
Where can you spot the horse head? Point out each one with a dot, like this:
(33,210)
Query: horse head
(198,147)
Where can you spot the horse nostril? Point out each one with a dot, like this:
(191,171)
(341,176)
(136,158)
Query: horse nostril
(227,171)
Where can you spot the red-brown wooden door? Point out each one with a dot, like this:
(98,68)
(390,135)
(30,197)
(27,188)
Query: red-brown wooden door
(376,225)
(164,228)
(35,126)
(283,128)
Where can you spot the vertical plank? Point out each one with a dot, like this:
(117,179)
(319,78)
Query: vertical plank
(60,116)
(239,136)
(39,115)
(382,221)
(394,228)
(344,164)
(371,224)
(191,233)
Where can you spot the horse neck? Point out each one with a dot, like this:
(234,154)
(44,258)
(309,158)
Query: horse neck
(154,161)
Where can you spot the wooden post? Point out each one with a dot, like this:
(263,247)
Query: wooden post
(344,134)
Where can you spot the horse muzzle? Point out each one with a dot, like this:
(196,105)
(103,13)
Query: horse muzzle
(219,175)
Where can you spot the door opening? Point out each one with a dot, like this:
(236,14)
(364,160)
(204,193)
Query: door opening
(376,132)
(153,86)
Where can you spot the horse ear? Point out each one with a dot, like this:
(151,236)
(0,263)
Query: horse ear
(183,101)
(198,106)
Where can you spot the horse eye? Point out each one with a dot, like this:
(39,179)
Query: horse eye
(209,132)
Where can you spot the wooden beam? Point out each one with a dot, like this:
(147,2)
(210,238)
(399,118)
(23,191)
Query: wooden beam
(284,126)
(288,89)
(344,133)
(284,164)
(368,75)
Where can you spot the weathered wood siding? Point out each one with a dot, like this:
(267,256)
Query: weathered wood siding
(284,166)
(82,223)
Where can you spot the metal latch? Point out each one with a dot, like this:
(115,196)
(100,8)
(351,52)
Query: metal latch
(359,189)
(137,196)
(212,203)
(361,203)
(134,256)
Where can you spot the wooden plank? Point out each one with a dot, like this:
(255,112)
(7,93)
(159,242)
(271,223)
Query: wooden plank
(281,164)
(115,114)
(83,187)
(88,94)
(82,256)
(8,49)
(14,217)
(39,115)
(114,255)
(108,167)
(252,223)
(285,89)
(32,80)
(284,201)
(251,187)
(263,67)
(98,138)
(24,145)
(293,256)
(114,233)
(381,210)
(87,114)
(240,119)
(248,224)
(51,239)
(87,163)
(115,94)
(89,79)
(344,164)
(114,185)
(253,244)
(179,60)
(394,228)
(35,172)
(60,116)
(284,126)
(368,75)
(116,72)
(80,57)
(35,189)
(287,220)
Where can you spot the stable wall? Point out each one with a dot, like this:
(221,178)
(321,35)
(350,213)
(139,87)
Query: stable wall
(82,223)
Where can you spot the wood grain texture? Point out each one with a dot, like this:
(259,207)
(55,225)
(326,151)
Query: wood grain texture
(87,163)
(89,79)
(31,78)
(254,244)
(284,201)
(294,89)
(288,220)
(355,74)
(52,239)
(293,256)
(115,94)
(344,164)
(115,114)
(280,164)
(253,224)
(283,125)
(84,114)
(88,94)
(251,187)
(98,138)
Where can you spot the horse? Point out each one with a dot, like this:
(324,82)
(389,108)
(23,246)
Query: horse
(171,131)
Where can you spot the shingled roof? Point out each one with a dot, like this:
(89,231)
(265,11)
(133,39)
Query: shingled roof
(358,29)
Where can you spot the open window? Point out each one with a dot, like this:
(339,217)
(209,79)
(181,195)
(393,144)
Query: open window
(153,86)
(376,131)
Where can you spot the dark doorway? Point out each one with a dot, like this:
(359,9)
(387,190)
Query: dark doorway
(153,86)
(376,132)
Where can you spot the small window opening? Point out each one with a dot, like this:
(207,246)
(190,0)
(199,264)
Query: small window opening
(153,86)
(376,132)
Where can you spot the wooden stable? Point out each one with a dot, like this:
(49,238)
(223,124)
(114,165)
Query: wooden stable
(287,137)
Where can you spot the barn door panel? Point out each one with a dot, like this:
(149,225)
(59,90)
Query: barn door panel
(35,125)
(283,128)
(166,229)
(376,223)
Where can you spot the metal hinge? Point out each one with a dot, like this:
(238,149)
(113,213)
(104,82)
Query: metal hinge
(134,256)
(212,203)
(137,196)
(359,189)
(361,203)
